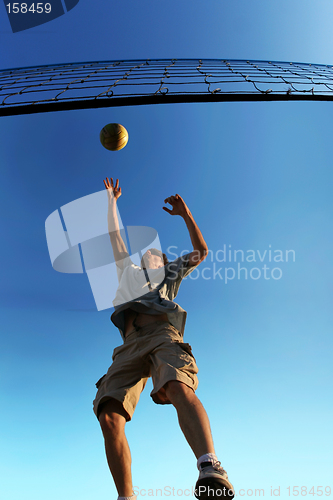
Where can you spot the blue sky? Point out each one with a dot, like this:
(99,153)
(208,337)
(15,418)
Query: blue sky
(256,176)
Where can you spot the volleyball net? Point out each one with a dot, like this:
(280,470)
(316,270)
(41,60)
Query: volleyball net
(139,82)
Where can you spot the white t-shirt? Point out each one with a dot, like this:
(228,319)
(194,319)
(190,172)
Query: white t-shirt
(151,297)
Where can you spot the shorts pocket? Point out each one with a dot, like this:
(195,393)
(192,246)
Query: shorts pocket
(187,348)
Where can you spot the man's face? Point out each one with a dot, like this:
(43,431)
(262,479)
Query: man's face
(152,261)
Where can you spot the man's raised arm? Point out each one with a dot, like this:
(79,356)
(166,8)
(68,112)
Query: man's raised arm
(118,245)
(179,207)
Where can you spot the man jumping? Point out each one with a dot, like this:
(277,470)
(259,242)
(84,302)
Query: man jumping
(152,327)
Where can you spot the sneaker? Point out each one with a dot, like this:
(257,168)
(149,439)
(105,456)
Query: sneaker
(213,482)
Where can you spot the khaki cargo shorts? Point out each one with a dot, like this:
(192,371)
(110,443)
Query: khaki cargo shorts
(155,350)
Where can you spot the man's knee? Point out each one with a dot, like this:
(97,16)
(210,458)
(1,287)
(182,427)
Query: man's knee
(112,417)
(175,389)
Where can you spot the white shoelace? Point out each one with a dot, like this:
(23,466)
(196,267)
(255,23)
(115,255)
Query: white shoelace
(217,465)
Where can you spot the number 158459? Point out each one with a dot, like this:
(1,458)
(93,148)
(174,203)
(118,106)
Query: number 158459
(24,8)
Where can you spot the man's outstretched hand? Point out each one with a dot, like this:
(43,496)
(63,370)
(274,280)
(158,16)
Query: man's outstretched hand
(113,191)
(179,206)
(200,249)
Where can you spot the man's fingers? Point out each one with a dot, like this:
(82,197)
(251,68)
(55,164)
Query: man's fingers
(172,199)
(167,210)
(107,183)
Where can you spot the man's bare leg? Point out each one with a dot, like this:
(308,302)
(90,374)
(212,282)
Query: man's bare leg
(192,417)
(112,420)
(195,425)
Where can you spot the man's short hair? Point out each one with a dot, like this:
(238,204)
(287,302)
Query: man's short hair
(154,251)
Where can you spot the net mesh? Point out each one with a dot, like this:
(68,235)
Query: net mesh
(121,83)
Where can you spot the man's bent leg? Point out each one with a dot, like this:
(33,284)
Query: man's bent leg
(112,419)
(192,417)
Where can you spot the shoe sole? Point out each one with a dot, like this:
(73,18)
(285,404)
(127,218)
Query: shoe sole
(209,485)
